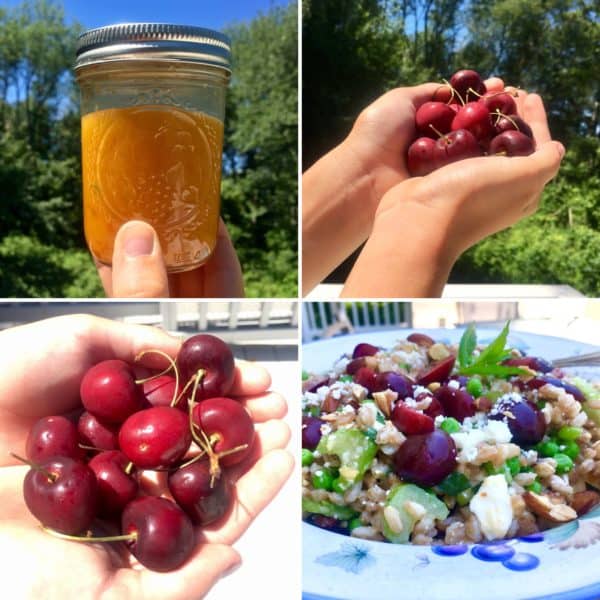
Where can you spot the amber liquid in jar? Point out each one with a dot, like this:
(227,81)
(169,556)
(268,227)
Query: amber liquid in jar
(157,163)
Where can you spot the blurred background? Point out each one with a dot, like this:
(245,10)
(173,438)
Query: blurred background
(355,50)
(266,332)
(576,319)
(42,248)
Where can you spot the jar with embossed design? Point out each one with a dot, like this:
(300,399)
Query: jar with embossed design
(153,107)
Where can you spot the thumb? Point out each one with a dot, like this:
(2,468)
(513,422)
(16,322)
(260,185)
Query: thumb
(138,269)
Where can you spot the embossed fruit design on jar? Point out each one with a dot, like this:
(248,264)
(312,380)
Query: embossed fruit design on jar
(153,105)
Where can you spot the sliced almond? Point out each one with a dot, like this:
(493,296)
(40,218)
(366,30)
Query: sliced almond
(385,400)
(542,507)
(438,352)
(583,502)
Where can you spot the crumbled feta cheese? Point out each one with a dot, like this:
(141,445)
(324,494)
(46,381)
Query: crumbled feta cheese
(322,392)
(492,507)
(310,399)
(339,368)
(454,385)
(325,429)
(410,402)
(468,440)
(439,420)
(419,389)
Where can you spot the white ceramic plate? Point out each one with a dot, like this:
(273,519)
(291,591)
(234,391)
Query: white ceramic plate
(561,563)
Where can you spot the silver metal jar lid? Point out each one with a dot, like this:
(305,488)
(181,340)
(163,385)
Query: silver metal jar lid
(153,41)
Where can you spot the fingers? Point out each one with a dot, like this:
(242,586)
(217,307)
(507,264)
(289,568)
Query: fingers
(138,269)
(207,565)
(494,84)
(265,407)
(220,277)
(535,115)
(545,161)
(254,492)
(250,379)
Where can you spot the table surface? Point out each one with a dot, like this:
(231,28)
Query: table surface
(271,547)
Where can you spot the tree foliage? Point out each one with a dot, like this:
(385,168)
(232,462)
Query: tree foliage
(354,51)
(42,250)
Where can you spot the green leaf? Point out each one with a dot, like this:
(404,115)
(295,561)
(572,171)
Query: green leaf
(491,369)
(495,352)
(467,345)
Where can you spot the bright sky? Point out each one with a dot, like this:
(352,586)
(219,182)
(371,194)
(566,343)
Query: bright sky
(214,14)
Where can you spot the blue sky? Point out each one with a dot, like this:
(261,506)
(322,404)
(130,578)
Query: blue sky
(214,14)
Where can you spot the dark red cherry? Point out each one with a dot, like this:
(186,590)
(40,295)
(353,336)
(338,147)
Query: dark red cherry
(525,421)
(426,459)
(433,118)
(116,487)
(421,157)
(311,432)
(501,102)
(155,438)
(97,433)
(211,355)
(410,421)
(165,536)
(511,143)
(227,425)
(468,84)
(532,362)
(457,145)
(191,488)
(367,378)
(108,390)
(364,349)
(456,403)
(53,436)
(438,372)
(160,391)
(401,384)
(512,123)
(421,339)
(475,118)
(62,494)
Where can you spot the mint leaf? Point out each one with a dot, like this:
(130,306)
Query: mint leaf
(491,369)
(467,345)
(495,352)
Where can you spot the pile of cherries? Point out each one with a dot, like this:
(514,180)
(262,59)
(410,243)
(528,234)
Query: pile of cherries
(90,469)
(464,120)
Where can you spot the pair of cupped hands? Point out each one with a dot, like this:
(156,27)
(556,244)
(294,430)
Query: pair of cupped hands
(42,365)
(415,227)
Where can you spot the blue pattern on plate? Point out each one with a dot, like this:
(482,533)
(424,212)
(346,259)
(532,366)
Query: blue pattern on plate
(492,552)
(451,550)
(521,561)
(351,557)
(532,538)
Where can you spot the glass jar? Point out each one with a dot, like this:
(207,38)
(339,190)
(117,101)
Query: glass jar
(152,113)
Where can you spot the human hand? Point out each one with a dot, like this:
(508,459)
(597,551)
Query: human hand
(345,187)
(138,269)
(423,224)
(42,378)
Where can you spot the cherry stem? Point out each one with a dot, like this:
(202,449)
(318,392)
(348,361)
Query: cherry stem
(477,94)
(128,468)
(192,381)
(84,447)
(192,460)
(436,130)
(500,115)
(52,477)
(172,365)
(111,538)
(452,90)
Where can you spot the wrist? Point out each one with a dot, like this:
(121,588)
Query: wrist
(408,255)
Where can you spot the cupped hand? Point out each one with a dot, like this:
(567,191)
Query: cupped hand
(138,269)
(42,364)
(423,224)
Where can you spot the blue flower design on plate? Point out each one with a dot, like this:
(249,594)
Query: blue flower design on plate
(351,557)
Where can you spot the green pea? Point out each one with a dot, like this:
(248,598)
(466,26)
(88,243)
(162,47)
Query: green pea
(514,465)
(454,483)
(571,449)
(475,387)
(569,434)
(450,425)
(548,448)
(339,485)
(563,463)
(323,480)
(354,523)
(371,432)
(464,497)
(307,457)
(346,378)
(490,469)
(305,375)
(535,487)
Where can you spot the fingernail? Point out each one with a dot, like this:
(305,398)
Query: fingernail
(232,569)
(561,149)
(139,241)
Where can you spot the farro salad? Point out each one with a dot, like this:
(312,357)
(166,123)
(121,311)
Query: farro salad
(431,443)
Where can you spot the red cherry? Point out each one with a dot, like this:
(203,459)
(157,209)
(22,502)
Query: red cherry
(160,390)
(457,145)
(512,123)
(116,487)
(421,339)
(96,433)
(437,372)
(474,117)
(364,349)
(421,157)
(433,118)
(108,390)
(165,536)
(499,102)
(367,378)
(53,436)
(155,438)
(211,355)
(411,421)
(468,84)
(227,425)
(456,403)
(205,499)
(61,494)
(511,143)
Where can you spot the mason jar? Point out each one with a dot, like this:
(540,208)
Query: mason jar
(152,115)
